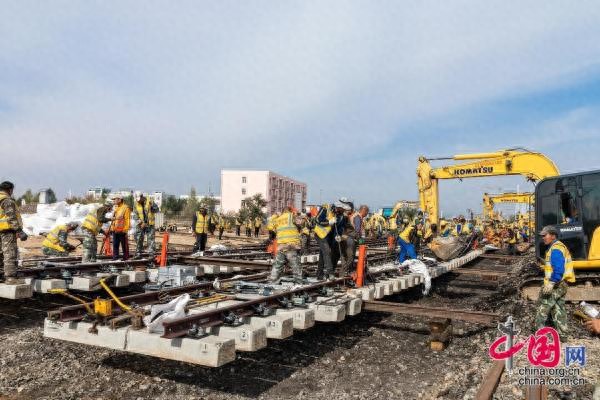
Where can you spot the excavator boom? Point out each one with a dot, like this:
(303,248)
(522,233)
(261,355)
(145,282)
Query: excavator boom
(532,165)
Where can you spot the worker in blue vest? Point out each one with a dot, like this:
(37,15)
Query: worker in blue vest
(558,270)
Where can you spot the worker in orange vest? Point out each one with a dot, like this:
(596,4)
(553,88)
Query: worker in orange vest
(119,227)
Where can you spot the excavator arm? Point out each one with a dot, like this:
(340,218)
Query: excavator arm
(490,199)
(532,165)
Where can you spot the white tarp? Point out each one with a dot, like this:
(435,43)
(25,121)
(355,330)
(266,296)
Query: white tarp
(160,313)
(418,267)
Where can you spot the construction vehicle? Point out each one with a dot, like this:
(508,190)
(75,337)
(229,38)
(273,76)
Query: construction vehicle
(569,202)
(533,166)
(489,200)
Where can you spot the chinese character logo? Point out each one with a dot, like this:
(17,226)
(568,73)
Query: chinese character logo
(543,347)
(575,355)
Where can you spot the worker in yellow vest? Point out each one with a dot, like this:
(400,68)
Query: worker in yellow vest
(511,240)
(257,224)
(121,222)
(56,244)
(558,271)
(249,224)
(145,210)
(11,227)
(91,226)
(287,229)
(238,225)
(324,220)
(200,228)
(406,240)
(221,225)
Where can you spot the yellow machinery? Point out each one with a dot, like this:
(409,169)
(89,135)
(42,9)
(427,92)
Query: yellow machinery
(532,165)
(489,200)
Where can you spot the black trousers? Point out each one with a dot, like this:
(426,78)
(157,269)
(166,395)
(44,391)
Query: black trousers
(238,229)
(221,233)
(325,266)
(200,241)
(256,231)
(120,239)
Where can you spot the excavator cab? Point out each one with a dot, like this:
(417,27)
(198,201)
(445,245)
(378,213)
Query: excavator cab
(572,204)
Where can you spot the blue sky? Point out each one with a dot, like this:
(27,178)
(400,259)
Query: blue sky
(344,95)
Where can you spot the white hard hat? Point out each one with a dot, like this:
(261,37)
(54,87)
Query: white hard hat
(137,195)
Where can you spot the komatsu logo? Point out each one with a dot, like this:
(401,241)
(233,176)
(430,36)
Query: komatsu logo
(572,229)
(472,171)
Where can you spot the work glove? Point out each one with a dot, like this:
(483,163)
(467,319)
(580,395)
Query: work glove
(338,238)
(361,240)
(547,288)
(332,221)
(22,235)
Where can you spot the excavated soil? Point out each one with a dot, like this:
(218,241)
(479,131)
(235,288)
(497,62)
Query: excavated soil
(369,356)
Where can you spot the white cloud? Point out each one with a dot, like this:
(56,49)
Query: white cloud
(162,95)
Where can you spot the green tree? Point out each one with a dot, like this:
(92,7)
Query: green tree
(51,196)
(27,196)
(172,205)
(129,201)
(252,207)
(191,205)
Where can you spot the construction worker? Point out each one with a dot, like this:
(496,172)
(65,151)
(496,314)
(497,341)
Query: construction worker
(55,243)
(213,221)
(339,230)
(11,227)
(221,225)
(406,241)
(324,220)
(145,209)
(306,228)
(511,240)
(430,233)
(558,270)
(445,230)
(287,230)
(121,222)
(91,226)
(200,223)
(238,225)
(355,234)
(249,224)
(257,224)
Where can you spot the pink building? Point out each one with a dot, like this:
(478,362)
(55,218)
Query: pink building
(276,189)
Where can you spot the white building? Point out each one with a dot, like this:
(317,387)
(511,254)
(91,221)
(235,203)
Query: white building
(95,193)
(277,190)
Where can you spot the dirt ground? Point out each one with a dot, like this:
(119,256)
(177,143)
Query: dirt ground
(369,356)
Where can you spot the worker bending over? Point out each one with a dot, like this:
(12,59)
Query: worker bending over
(91,226)
(287,231)
(56,244)
(145,210)
(11,227)
(306,228)
(558,270)
(406,240)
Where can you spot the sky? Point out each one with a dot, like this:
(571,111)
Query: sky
(342,95)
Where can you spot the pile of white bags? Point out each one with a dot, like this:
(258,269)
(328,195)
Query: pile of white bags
(50,215)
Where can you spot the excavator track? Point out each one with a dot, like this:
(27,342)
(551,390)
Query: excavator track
(587,288)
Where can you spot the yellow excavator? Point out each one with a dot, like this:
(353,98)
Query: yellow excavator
(571,203)
(533,166)
(489,200)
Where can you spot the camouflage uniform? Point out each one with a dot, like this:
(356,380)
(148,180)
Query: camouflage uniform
(288,254)
(90,247)
(8,238)
(62,239)
(553,305)
(150,232)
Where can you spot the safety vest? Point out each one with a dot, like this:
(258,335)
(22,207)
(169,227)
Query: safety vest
(201,223)
(257,222)
(569,274)
(52,241)
(139,209)
(306,226)
(287,231)
(221,222)
(91,223)
(512,239)
(445,232)
(121,219)
(323,231)
(405,235)
(4,222)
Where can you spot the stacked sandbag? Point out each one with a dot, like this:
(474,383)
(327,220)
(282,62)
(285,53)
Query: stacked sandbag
(447,248)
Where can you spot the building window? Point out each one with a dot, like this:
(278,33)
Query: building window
(244,191)
(243,179)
